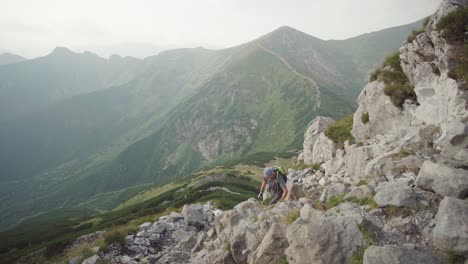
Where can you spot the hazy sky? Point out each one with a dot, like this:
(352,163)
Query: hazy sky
(143,27)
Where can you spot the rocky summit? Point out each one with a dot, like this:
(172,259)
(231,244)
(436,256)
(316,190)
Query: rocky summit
(386,185)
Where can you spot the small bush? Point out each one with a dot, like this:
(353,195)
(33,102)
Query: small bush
(114,237)
(375,75)
(398,93)
(340,131)
(393,61)
(453,25)
(426,21)
(362,182)
(292,216)
(413,35)
(365,118)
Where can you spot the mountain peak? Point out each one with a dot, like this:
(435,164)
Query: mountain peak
(60,51)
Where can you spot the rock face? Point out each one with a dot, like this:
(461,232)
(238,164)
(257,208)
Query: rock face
(451,230)
(443,180)
(314,130)
(397,255)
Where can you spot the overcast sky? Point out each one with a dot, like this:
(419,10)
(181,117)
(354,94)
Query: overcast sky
(144,27)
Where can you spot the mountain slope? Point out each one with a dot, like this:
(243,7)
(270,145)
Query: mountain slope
(183,110)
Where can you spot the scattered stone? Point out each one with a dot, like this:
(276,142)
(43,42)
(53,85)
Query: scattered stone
(360,192)
(396,193)
(91,260)
(390,254)
(193,215)
(451,229)
(443,180)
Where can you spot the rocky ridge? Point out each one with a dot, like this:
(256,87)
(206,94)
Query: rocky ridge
(396,195)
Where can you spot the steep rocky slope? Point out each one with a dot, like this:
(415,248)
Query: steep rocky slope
(395,194)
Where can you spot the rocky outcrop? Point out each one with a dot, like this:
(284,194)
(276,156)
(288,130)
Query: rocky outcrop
(314,130)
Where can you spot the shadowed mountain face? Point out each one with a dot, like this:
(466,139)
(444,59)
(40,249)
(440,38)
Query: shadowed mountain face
(76,125)
(34,84)
(8,58)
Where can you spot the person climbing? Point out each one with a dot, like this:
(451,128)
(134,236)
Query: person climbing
(276,179)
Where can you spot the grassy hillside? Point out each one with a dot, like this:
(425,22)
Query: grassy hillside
(57,228)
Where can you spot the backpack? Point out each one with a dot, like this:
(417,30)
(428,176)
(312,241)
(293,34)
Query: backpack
(280,170)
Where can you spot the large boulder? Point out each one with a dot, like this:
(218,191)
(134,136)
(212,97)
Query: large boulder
(323,150)
(315,238)
(92,260)
(451,230)
(396,193)
(317,126)
(384,117)
(193,215)
(271,249)
(443,180)
(389,254)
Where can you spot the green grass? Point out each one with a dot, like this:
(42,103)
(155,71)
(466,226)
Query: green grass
(340,131)
(292,216)
(358,256)
(283,260)
(335,201)
(315,166)
(368,235)
(368,201)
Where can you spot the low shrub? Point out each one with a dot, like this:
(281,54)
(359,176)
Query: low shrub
(398,93)
(340,131)
(86,253)
(398,86)
(453,25)
(413,35)
(365,118)
(55,248)
(114,237)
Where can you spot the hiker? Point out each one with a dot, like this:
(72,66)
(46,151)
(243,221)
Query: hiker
(276,179)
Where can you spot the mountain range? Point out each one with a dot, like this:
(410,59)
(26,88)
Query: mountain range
(74,127)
